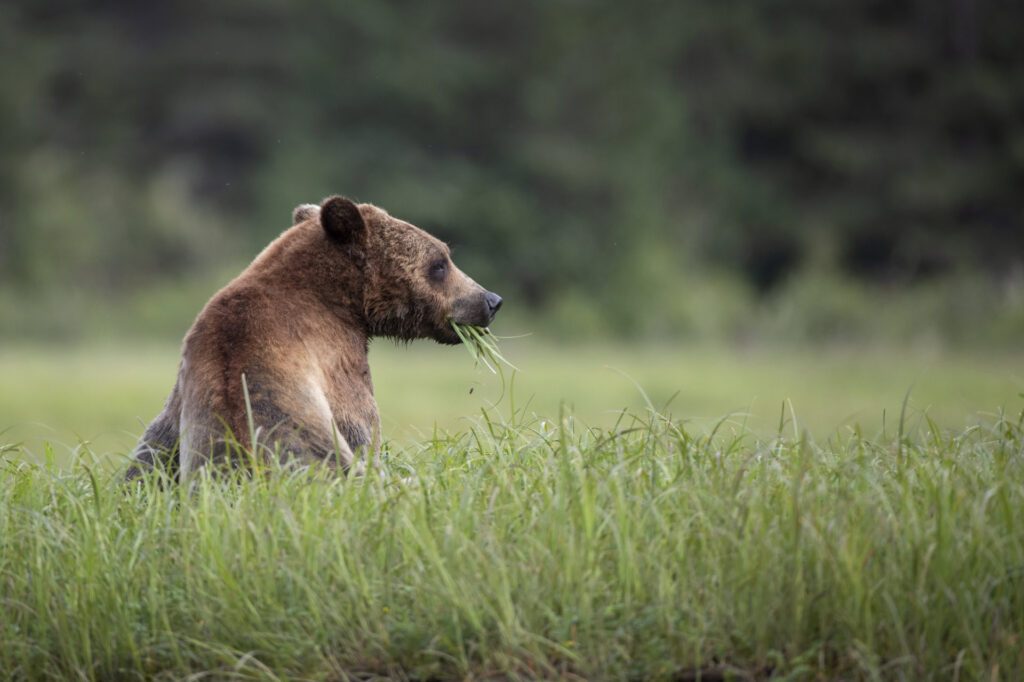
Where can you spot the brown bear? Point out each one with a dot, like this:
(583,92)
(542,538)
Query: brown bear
(280,353)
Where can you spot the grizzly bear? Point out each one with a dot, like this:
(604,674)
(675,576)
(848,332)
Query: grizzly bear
(280,353)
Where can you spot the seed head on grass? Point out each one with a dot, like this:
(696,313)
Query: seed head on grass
(482,346)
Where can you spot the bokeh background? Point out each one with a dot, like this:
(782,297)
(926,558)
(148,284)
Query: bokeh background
(744,201)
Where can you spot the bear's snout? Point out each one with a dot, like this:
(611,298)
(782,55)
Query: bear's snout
(477,309)
(493,303)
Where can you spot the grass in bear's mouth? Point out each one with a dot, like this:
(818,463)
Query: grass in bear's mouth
(482,345)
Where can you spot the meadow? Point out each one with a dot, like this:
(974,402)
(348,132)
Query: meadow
(612,513)
(102,395)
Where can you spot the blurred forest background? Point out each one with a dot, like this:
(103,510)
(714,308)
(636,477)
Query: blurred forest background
(707,171)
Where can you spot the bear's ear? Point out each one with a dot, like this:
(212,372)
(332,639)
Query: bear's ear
(304,212)
(341,219)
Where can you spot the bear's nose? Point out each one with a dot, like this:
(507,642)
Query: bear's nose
(493,302)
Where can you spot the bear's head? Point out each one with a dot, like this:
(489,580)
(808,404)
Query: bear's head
(411,287)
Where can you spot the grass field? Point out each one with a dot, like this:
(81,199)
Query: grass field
(526,550)
(580,543)
(104,395)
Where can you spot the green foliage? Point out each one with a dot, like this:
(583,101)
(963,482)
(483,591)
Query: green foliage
(534,549)
(586,152)
(965,310)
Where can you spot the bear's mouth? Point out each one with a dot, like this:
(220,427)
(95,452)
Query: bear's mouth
(446,334)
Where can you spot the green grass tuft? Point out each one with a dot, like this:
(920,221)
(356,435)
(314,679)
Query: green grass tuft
(534,549)
(482,346)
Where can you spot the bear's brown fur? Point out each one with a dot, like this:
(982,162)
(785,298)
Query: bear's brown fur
(291,334)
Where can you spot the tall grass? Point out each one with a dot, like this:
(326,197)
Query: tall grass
(534,549)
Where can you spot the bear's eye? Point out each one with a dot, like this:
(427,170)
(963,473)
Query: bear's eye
(438,270)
